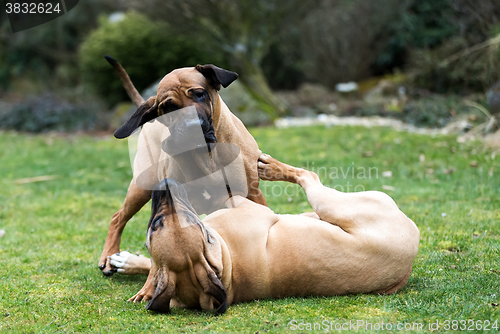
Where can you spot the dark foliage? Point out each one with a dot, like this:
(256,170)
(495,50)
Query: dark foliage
(48,113)
(147,50)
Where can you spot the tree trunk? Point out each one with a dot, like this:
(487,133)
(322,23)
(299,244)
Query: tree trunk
(255,82)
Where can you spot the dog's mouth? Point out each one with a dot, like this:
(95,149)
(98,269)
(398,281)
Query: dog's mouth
(208,133)
(189,129)
(187,136)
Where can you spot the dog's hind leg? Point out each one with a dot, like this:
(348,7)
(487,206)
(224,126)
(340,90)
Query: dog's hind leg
(328,204)
(135,200)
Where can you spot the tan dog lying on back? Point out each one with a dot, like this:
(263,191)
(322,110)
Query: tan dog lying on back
(352,243)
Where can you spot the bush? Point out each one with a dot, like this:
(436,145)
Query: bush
(48,113)
(283,65)
(431,33)
(49,50)
(423,24)
(455,67)
(341,41)
(147,50)
(433,112)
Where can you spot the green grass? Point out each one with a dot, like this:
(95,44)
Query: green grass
(55,230)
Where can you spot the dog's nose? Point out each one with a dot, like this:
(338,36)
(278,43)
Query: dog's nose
(208,131)
(210,138)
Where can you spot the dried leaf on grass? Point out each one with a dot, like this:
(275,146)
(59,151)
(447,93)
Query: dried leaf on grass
(36,179)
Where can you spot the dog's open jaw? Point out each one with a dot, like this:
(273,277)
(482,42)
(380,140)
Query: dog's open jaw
(179,246)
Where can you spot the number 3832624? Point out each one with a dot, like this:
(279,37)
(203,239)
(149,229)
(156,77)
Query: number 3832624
(32,8)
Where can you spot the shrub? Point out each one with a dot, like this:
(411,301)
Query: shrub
(146,49)
(283,65)
(428,112)
(48,113)
(342,39)
(456,67)
(442,42)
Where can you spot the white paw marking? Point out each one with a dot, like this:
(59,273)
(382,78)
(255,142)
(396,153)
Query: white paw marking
(119,260)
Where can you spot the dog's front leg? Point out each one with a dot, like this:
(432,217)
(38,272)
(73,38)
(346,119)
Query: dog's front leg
(135,200)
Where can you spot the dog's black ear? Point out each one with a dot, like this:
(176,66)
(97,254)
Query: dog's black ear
(164,292)
(217,76)
(218,291)
(211,285)
(146,112)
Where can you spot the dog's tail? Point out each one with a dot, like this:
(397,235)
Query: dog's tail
(127,83)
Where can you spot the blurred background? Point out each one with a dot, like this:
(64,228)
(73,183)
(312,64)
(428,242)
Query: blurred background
(430,63)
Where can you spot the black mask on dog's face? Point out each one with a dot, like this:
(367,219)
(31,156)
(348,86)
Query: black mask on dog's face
(189,129)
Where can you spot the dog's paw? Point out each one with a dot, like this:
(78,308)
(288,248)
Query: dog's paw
(141,296)
(145,294)
(119,261)
(266,158)
(262,164)
(270,169)
(130,264)
(104,265)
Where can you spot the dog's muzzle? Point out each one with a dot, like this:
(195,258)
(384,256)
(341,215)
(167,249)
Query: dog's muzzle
(206,128)
(189,130)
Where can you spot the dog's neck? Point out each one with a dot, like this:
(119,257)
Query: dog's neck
(219,115)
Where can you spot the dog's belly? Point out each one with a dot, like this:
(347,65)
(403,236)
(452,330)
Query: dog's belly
(302,256)
(311,257)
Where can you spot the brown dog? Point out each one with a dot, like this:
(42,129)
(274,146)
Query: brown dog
(186,87)
(352,243)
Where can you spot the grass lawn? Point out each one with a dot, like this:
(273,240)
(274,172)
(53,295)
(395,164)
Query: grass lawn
(55,230)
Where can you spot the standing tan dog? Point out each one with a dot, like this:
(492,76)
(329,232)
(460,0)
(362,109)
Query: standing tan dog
(186,87)
(352,243)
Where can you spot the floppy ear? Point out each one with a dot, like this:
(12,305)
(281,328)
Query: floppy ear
(217,76)
(213,250)
(165,291)
(146,112)
(212,288)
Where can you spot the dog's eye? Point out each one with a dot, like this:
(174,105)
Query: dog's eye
(200,95)
(157,223)
(168,106)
